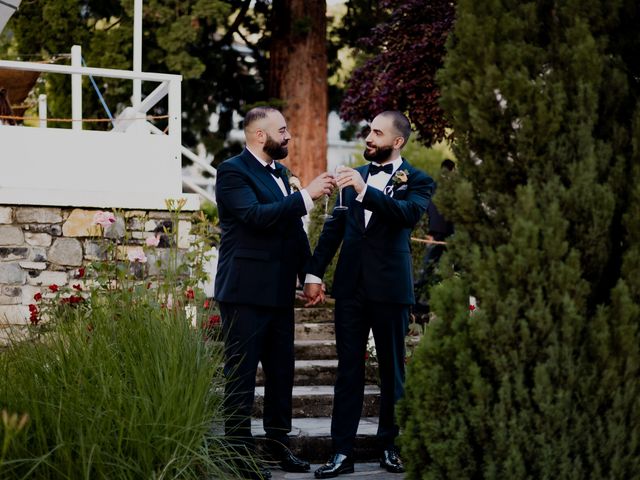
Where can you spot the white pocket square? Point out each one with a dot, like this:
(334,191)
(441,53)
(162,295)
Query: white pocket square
(401,187)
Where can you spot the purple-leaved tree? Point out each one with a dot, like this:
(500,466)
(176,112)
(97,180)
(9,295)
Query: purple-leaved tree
(407,51)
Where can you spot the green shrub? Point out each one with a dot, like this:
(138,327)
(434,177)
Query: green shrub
(542,379)
(120,378)
(129,392)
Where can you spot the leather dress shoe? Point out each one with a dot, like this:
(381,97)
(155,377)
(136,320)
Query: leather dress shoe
(261,474)
(252,473)
(337,465)
(390,461)
(290,463)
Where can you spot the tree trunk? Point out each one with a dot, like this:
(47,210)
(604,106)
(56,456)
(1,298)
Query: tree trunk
(298,77)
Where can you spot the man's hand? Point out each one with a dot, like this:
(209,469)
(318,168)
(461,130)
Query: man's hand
(314,292)
(349,177)
(321,185)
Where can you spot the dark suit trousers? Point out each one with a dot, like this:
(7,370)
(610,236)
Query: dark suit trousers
(255,334)
(389,323)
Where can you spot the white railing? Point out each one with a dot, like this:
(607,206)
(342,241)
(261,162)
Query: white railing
(125,167)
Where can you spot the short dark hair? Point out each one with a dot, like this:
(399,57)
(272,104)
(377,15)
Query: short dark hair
(257,113)
(448,164)
(400,122)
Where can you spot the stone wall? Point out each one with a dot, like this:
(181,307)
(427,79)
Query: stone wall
(41,246)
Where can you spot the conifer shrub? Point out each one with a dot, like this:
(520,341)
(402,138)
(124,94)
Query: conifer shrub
(541,380)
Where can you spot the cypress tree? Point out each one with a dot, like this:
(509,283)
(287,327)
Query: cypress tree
(541,380)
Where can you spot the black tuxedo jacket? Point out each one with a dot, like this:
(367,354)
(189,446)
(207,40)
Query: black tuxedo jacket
(263,246)
(379,255)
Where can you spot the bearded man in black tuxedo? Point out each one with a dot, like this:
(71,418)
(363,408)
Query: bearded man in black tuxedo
(263,248)
(373,284)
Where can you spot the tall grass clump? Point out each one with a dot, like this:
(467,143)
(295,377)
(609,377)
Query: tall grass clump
(120,385)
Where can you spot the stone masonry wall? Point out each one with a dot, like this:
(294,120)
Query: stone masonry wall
(41,246)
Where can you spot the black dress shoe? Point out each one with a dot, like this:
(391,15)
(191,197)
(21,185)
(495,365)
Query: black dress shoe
(390,460)
(290,463)
(261,474)
(248,473)
(337,465)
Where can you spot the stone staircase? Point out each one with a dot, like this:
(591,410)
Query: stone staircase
(315,374)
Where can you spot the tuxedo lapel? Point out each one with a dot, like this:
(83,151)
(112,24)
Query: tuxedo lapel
(389,186)
(388,190)
(259,172)
(285,177)
(357,206)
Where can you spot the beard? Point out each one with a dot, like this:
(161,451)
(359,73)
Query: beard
(275,150)
(379,154)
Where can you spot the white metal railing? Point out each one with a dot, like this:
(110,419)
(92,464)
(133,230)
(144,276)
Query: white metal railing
(170,84)
(132,119)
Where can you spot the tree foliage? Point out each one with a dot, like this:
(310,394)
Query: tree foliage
(542,380)
(404,53)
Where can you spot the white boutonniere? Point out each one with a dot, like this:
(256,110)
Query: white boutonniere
(399,178)
(294,183)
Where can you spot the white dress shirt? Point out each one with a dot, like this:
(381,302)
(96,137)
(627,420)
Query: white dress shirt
(377,181)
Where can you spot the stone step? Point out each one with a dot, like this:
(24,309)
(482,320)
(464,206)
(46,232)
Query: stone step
(314,315)
(310,438)
(317,401)
(319,372)
(315,349)
(309,372)
(314,331)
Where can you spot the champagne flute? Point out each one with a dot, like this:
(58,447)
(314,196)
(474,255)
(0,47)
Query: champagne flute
(326,215)
(339,206)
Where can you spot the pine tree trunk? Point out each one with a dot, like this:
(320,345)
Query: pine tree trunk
(298,77)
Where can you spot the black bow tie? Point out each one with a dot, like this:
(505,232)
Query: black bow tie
(276,172)
(375,169)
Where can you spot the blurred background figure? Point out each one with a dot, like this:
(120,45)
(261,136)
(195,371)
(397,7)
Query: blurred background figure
(439,229)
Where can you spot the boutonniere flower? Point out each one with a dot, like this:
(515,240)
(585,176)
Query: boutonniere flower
(400,177)
(294,183)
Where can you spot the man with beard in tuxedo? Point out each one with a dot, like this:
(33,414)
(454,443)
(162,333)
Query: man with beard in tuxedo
(373,285)
(263,249)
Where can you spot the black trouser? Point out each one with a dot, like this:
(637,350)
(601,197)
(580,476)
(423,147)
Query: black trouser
(255,334)
(389,323)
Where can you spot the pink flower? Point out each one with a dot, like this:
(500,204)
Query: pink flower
(137,255)
(152,241)
(104,218)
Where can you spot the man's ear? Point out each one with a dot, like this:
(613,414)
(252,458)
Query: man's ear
(399,142)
